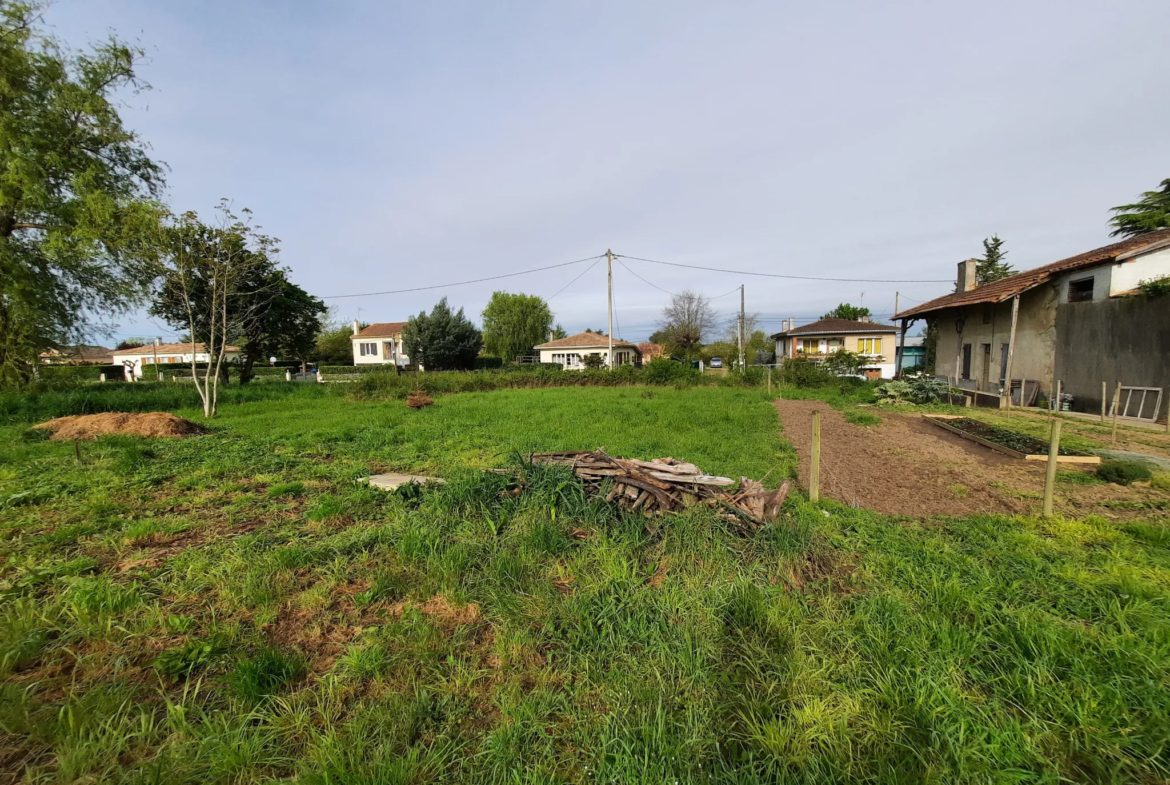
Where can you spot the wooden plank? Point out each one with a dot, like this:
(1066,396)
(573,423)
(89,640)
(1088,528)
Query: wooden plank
(937,420)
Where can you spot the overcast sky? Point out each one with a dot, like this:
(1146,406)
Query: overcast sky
(398,145)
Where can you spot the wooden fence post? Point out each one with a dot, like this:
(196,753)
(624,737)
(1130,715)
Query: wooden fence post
(1104,399)
(769,381)
(814,470)
(1116,406)
(1050,477)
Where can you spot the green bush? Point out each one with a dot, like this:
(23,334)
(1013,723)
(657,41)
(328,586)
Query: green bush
(1124,472)
(664,371)
(67,375)
(927,389)
(803,372)
(485,361)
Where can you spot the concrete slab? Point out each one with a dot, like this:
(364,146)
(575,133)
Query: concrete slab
(390,481)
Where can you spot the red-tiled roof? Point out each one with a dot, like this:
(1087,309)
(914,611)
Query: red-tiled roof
(382,330)
(80,353)
(1006,288)
(166,348)
(585,340)
(837,327)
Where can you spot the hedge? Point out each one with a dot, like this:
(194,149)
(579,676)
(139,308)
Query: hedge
(487,361)
(350,369)
(76,374)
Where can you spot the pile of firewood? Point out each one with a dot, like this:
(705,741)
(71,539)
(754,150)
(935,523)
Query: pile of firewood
(668,485)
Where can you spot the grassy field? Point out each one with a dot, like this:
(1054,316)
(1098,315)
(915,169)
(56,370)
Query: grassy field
(237,608)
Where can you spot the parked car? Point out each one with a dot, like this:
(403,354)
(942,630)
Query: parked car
(716,362)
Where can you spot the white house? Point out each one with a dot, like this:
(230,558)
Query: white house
(165,354)
(815,341)
(569,351)
(379,344)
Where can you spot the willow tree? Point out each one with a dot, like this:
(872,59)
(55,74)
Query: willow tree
(78,192)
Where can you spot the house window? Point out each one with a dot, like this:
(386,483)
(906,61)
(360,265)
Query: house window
(1080,291)
(869,345)
(810,346)
(368,349)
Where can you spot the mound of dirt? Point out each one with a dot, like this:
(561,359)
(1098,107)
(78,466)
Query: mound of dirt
(90,426)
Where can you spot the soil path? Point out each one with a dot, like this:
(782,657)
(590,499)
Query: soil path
(907,466)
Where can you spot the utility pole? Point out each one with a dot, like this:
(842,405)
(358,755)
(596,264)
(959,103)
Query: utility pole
(609,265)
(742,337)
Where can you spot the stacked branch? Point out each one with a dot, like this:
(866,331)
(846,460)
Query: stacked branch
(668,485)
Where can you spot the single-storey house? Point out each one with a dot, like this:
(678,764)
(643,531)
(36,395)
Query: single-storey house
(379,344)
(817,340)
(568,352)
(82,354)
(1076,320)
(134,359)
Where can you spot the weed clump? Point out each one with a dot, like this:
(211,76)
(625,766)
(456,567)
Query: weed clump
(1124,472)
(266,674)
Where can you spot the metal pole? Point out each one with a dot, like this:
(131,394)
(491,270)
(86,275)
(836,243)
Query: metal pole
(814,471)
(742,327)
(1050,477)
(1007,370)
(609,265)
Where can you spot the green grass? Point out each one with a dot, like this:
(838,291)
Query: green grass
(237,608)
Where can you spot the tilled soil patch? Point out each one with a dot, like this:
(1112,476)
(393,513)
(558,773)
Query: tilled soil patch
(81,427)
(907,466)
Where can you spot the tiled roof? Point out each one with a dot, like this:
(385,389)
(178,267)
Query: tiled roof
(1006,288)
(166,348)
(80,353)
(382,330)
(585,340)
(837,327)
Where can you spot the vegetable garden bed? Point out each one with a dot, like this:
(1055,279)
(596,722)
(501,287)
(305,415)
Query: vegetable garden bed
(1006,441)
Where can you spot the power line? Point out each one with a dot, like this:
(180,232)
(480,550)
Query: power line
(778,275)
(461,283)
(570,283)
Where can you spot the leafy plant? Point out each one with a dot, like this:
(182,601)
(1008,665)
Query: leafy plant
(594,360)
(927,389)
(1124,472)
(1155,287)
(894,391)
(196,654)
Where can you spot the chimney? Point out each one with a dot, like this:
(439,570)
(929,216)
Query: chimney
(158,341)
(355,327)
(863,318)
(966,279)
(551,336)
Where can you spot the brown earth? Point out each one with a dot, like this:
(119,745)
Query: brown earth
(90,426)
(907,466)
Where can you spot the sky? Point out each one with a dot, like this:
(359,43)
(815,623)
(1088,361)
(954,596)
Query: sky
(397,145)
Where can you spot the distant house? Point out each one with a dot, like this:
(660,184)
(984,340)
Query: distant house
(912,355)
(379,344)
(134,359)
(1074,320)
(818,340)
(82,354)
(651,351)
(568,352)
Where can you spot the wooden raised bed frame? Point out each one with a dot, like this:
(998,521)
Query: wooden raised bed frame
(940,421)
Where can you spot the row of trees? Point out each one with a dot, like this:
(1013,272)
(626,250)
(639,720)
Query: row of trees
(84,232)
